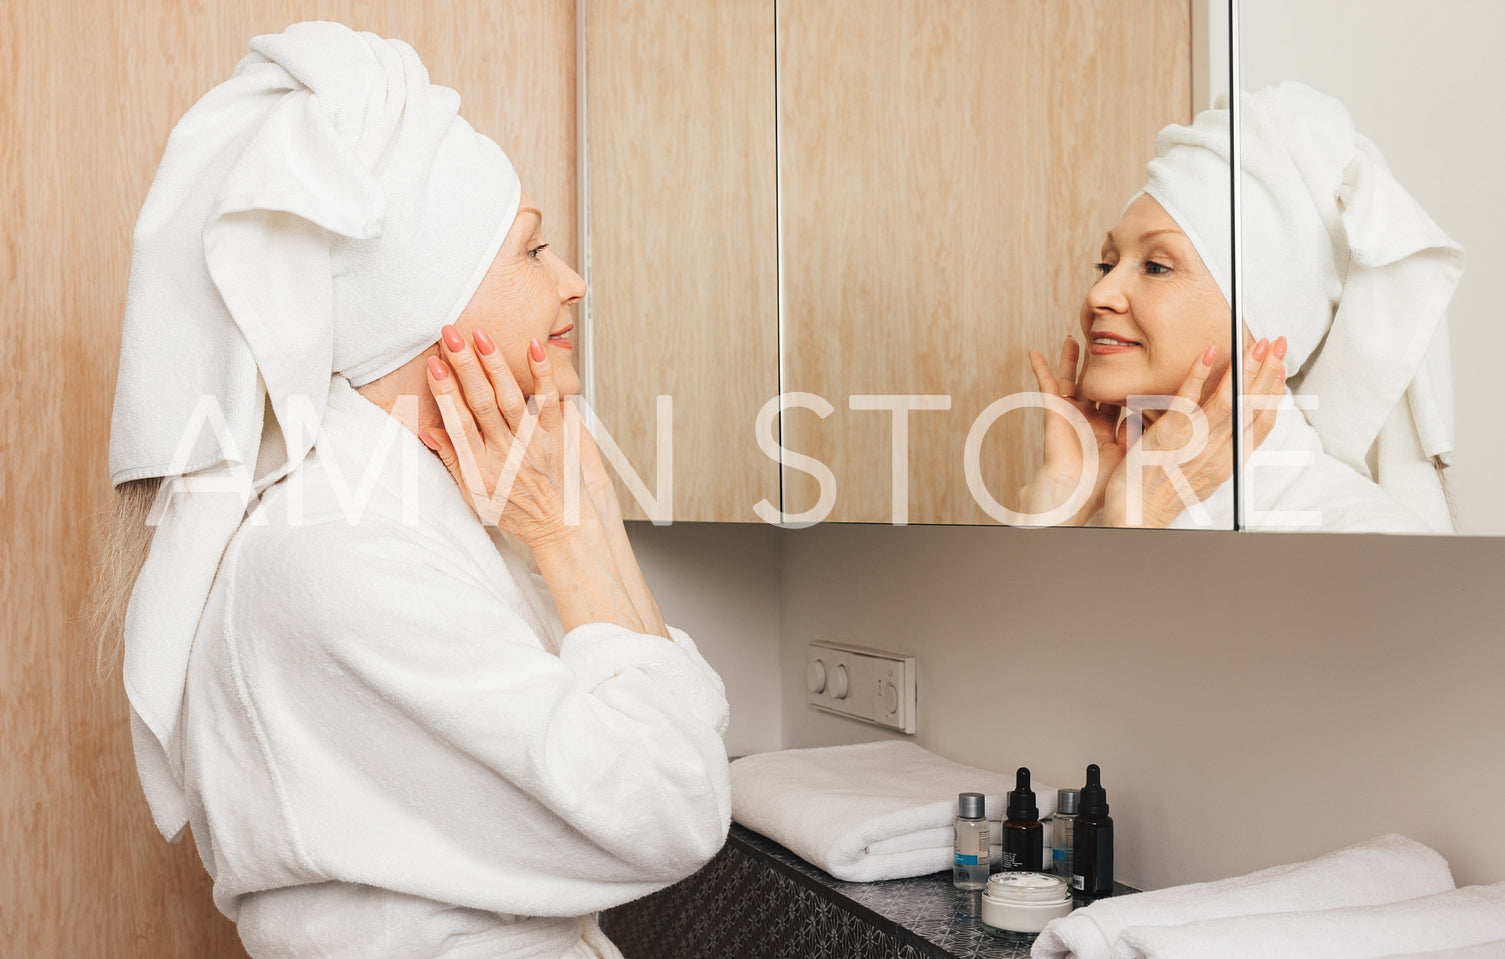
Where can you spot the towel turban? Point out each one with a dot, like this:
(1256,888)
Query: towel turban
(323,211)
(1342,261)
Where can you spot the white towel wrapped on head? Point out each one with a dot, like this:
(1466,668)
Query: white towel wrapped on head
(1456,918)
(1384,870)
(866,812)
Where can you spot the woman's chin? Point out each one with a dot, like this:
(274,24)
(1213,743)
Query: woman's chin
(1095,390)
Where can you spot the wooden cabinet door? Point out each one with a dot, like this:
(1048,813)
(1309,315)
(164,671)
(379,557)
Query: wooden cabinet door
(682,244)
(947,172)
(89,90)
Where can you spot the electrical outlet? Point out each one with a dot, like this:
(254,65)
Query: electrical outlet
(861,683)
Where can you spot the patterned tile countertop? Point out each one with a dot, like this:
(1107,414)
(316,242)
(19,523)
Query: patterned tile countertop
(927,916)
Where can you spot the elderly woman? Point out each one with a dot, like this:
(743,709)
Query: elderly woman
(341,381)
(1339,259)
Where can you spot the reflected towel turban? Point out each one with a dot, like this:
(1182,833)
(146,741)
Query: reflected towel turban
(1340,259)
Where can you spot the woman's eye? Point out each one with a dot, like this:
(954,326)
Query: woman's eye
(1155,269)
(1103,269)
(537,250)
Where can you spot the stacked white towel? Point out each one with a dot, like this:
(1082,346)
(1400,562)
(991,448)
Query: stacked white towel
(1447,920)
(1385,870)
(866,812)
(1484,950)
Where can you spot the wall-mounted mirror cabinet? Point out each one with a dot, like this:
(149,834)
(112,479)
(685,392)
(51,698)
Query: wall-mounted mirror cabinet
(1398,353)
(833,231)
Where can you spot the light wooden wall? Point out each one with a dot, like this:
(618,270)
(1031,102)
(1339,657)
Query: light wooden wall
(88,92)
(946,175)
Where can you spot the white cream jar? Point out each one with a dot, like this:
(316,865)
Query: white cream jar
(1023,902)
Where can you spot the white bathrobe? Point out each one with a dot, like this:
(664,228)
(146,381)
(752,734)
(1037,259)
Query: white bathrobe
(393,749)
(1310,492)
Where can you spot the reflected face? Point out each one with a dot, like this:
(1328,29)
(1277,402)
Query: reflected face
(527,293)
(1152,312)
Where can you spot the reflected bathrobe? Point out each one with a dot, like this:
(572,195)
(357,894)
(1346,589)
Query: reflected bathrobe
(392,748)
(1311,491)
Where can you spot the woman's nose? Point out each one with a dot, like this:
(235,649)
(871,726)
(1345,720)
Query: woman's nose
(1107,294)
(571,286)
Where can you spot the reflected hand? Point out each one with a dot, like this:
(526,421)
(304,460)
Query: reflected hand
(1161,497)
(1058,477)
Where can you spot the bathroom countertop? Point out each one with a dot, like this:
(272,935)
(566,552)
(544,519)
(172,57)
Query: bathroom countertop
(757,899)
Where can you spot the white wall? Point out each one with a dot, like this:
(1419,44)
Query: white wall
(719,582)
(1251,698)
(1422,81)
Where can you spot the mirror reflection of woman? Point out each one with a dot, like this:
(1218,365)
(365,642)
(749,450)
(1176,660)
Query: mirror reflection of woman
(1345,282)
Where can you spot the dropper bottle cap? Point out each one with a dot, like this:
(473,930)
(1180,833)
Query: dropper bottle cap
(1094,801)
(1022,806)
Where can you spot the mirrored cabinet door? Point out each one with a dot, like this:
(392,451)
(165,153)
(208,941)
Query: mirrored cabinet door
(947,173)
(1380,269)
(875,211)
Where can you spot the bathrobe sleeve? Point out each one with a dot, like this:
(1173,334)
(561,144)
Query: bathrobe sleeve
(423,739)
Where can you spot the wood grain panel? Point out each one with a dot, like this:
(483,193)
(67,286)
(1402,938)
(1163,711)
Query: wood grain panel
(88,92)
(683,240)
(946,174)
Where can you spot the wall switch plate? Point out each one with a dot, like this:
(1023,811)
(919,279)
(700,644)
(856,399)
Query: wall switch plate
(861,683)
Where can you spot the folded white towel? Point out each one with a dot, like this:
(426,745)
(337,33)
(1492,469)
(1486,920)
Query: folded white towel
(859,812)
(941,837)
(1458,917)
(1484,950)
(1388,869)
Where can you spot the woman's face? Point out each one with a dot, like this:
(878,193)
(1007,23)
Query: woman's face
(1152,311)
(527,293)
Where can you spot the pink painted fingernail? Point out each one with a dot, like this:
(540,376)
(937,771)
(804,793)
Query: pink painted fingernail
(437,369)
(1280,348)
(1261,348)
(428,440)
(535,348)
(484,346)
(1207,357)
(452,338)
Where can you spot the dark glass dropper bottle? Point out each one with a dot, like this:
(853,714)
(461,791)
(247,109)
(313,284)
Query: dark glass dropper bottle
(1023,836)
(1092,842)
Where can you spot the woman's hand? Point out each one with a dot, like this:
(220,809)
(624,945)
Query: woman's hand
(505,452)
(1160,498)
(1055,481)
(598,483)
(508,456)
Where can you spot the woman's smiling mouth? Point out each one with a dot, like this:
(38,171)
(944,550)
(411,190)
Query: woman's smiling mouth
(1106,343)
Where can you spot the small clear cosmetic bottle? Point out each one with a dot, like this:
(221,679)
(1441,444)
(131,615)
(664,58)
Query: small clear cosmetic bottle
(1064,821)
(970,865)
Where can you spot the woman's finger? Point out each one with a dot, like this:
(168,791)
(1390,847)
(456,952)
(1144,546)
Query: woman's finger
(464,435)
(545,392)
(1254,359)
(509,396)
(1043,375)
(1268,381)
(474,385)
(1066,376)
(1196,377)
(438,441)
